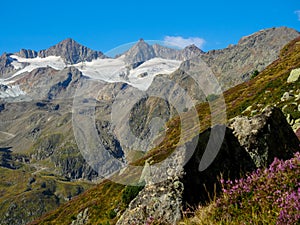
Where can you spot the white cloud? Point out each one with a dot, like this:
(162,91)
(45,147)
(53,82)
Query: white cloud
(298,14)
(180,42)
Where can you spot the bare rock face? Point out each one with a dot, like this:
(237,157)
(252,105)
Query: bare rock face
(48,83)
(162,202)
(71,52)
(5,65)
(82,218)
(191,52)
(235,64)
(248,143)
(27,53)
(265,136)
(142,52)
(139,53)
(188,52)
(165,52)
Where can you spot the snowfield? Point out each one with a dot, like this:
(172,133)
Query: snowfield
(56,62)
(108,70)
(149,70)
(115,70)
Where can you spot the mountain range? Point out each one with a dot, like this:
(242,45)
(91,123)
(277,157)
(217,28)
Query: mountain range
(43,92)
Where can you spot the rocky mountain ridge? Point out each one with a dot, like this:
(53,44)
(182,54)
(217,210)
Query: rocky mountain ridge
(142,52)
(71,51)
(236,64)
(230,66)
(39,132)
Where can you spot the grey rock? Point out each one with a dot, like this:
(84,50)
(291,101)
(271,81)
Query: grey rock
(5,65)
(265,136)
(139,53)
(166,53)
(51,84)
(27,53)
(161,202)
(235,65)
(71,52)
(231,162)
(82,218)
(142,52)
(190,52)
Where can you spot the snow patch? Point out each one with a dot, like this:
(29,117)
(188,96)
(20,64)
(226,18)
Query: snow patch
(116,70)
(150,69)
(17,65)
(56,62)
(109,70)
(12,91)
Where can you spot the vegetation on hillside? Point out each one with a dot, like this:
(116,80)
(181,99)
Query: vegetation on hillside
(266,196)
(264,89)
(19,185)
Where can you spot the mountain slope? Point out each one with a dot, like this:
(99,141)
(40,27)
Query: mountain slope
(235,64)
(40,132)
(265,89)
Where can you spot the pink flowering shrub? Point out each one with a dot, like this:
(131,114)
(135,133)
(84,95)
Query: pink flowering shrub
(269,196)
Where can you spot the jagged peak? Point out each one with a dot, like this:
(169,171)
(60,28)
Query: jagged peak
(141,43)
(68,41)
(71,51)
(140,52)
(192,48)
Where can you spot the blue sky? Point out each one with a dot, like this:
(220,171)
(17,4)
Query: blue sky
(103,25)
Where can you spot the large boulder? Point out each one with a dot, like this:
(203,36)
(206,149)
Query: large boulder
(231,162)
(248,143)
(265,136)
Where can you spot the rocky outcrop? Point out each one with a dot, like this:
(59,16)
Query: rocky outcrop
(71,52)
(265,136)
(142,52)
(161,199)
(165,52)
(294,76)
(27,53)
(161,202)
(5,65)
(235,64)
(188,52)
(231,162)
(248,143)
(65,157)
(72,166)
(82,218)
